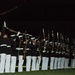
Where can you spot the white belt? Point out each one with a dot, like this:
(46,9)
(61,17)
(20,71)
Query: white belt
(3,45)
(57,52)
(8,46)
(37,50)
(44,51)
(63,52)
(47,51)
(44,47)
(27,49)
(19,48)
(73,54)
(52,51)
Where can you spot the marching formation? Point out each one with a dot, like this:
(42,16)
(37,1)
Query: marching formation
(36,53)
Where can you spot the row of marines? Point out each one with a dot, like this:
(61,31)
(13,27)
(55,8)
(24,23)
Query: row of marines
(39,54)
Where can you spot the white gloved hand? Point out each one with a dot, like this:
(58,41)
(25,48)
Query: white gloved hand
(4,24)
(18,33)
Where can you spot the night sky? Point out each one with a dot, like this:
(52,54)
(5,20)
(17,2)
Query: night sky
(34,15)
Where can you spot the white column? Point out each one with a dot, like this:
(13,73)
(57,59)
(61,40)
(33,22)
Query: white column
(33,68)
(13,64)
(2,63)
(59,63)
(66,62)
(62,63)
(52,63)
(43,63)
(56,62)
(20,63)
(73,63)
(38,63)
(46,61)
(7,65)
(28,63)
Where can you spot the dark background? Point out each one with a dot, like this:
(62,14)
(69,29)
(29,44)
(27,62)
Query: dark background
(33,15)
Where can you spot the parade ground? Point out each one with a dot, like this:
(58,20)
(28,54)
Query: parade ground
(48,72)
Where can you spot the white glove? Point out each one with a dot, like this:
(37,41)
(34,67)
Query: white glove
(44,39)
(18,33)
(4,24)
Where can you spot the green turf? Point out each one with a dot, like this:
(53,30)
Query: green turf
(49,72)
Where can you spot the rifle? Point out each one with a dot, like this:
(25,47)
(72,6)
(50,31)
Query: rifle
(19,46)
(25,46)
(44,41)
(60,50)
(52,41)
(57,50)
(43,33)
(67,46)
(4,28)
(63,44)
(73,51)
(48,38)
(39,47)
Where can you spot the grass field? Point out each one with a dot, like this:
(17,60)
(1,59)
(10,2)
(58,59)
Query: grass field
(49,72)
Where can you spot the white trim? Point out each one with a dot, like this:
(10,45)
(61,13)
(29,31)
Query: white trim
(8,46)
(3,45)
